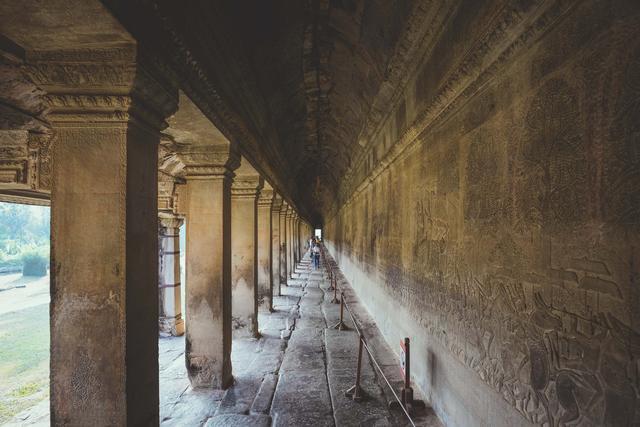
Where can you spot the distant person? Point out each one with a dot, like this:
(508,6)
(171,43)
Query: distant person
(316,256)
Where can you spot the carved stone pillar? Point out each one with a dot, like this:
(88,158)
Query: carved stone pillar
(106,113)
(294,242)
(290,262)
(296,234)
(169,286)
(244,235)
(283,244)
(265,278)
(275,241)
(209,173)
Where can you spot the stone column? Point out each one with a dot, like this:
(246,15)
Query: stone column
(106,113)
(283,244)
(290,263)
(244,250)
(265,277)
(275,241)
(294,233)
(209,172)
(169,286)
(298,236)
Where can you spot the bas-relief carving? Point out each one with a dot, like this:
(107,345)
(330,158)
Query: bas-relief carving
(551,168)
(622,171)
(530,297)
(25,160)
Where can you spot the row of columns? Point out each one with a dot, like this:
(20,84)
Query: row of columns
(240,229)
(116,262)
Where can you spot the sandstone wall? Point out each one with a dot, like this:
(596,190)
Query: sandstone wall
(501,231)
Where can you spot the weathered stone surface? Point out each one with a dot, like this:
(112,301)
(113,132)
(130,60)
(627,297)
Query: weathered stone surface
(244,250)
(238,420)
(208,348)
(488,227)
(302,376)
(262,402)
(276,232)
(284,244)
(474,167)
(104,208)
(264,243)
(171,321)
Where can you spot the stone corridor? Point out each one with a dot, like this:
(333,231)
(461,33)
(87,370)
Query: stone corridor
(296,373)
(472,168)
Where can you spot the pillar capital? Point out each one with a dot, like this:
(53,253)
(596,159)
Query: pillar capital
(210,161)
(169,221)
(102,85)
(247,182)
(246,186)
(265,200)
(276,204)
(168,194)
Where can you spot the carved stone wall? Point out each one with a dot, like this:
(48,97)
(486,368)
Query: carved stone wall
(501,233)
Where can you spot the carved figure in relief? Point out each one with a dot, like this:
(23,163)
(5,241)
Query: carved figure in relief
(551,167)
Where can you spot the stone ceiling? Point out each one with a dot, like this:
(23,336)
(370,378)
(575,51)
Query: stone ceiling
(300,86)
(301,80)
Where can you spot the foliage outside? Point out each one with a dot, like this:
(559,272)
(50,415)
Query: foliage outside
(24,238)
(35,261)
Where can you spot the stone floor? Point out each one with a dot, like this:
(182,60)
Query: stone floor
(296,374)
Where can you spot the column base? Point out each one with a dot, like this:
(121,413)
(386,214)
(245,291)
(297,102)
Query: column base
(245,328)
(266,305)
(202,373)
(171,326)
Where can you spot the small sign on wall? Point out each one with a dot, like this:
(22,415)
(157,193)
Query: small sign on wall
(403,358)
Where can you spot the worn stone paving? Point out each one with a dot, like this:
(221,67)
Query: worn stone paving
(296,373)
(302,395)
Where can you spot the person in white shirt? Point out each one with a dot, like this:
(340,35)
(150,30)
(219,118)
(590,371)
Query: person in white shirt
(316,256)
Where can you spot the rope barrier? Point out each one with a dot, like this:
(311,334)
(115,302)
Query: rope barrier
(355,392)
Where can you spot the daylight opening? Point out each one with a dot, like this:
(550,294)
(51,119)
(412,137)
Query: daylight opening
(24,313)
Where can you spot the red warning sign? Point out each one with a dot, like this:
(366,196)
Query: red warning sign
(403,357)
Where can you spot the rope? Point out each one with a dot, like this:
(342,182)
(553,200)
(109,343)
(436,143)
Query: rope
(373,359)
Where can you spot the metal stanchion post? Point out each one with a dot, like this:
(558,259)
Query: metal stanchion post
(355,392)
(335,294)
(407,392)
(341,326)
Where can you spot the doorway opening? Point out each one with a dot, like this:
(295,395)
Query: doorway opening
(318,233)
(24,313)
